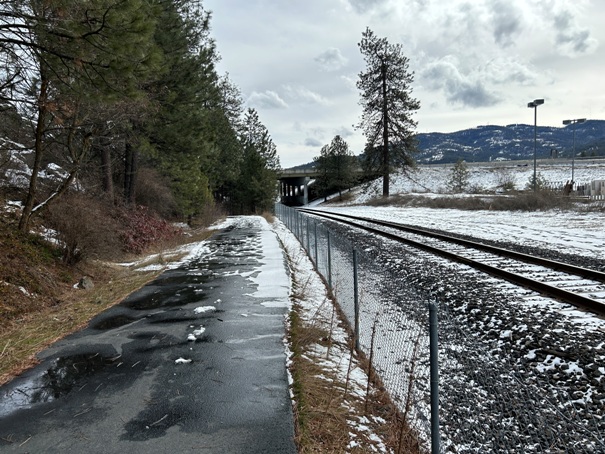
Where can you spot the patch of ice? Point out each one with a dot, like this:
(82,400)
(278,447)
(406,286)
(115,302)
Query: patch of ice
(202,309)
(199,331)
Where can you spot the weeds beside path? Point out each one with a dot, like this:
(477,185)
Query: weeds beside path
(338,404)
(37,318)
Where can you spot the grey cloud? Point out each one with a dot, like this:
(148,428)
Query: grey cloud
(311,142)
(471,94)
(364,6)
(331,60)
(458,89)
(503,71)
(461,24)
(344,132)
(506,19)
(571,39)
(298,93)
(268,99)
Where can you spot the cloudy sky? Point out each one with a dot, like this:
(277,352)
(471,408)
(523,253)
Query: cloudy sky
(476,62)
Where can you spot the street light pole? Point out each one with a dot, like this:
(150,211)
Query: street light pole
(534,104)
(573,156)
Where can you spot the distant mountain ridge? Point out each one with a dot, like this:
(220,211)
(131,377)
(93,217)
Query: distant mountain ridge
(511,142)
(508,143)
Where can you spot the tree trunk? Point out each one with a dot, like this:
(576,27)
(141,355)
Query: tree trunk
(106,170)
(385,134)
(28,206)
(130,172)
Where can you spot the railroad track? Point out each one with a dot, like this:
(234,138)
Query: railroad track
(581,287)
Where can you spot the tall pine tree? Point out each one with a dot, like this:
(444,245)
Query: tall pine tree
(388,107)
(182,131)
(257,184)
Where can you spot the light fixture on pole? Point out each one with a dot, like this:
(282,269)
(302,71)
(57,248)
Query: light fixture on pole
(534,104)
(573,156)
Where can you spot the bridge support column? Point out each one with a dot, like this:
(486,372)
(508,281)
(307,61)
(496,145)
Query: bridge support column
(306,191)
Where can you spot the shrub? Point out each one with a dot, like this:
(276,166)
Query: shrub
(84,228)
(208,215)
(140,228)
(153,192)
(526,201)
(541,182)
(459,176)
(506,182)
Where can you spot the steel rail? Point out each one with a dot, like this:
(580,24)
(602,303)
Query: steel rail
(554,292)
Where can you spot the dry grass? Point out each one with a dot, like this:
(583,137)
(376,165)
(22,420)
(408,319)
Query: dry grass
(326,410)
(517,201)
(39,304)
(269,217)
(325,405)
(23,337)
(344,197)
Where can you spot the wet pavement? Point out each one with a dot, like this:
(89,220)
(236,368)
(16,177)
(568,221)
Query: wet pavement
(193,362)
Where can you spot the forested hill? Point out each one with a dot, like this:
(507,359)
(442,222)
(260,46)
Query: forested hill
(511,142)
(125,99)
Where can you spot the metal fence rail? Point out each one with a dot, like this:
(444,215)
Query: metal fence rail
(485,405)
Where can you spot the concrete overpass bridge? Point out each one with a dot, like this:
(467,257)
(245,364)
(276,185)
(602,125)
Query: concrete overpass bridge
(294,185)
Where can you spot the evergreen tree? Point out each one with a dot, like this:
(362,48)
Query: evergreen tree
(257,183)
(69,56)
(182,132)
(322,166)
(335,165)
(387,105)
(343,163)
(111,87)
(459,175)
(227,126)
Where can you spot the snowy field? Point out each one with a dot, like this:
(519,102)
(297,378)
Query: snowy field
(564,231)
(573,232)
(490,176)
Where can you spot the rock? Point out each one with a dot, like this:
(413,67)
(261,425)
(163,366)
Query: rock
(86,283)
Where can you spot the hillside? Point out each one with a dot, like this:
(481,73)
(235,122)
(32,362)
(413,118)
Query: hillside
(508,143)
(512,142)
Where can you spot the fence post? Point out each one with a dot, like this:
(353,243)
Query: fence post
(297,225)
(329,260)
(355,300)
(308,243)
(316,256)
(434,360)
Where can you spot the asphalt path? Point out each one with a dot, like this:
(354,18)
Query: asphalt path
(163,371)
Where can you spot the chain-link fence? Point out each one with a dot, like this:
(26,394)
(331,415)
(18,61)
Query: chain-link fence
(487,402)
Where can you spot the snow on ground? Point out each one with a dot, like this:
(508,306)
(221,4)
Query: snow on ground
(574,232)
(275,288)
(565,231)
(508,348)
(315,307)
(487,177)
